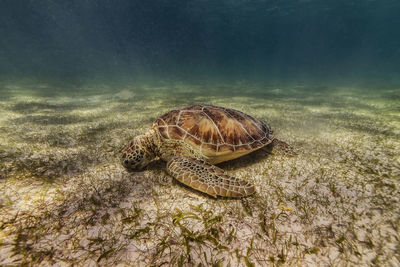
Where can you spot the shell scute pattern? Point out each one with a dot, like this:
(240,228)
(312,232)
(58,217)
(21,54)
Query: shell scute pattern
(250,127)
(214,129)
(199,126)
(172,117)
(163,131)
(175,132)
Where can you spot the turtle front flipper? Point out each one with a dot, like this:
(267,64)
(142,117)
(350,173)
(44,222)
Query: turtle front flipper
(207,178)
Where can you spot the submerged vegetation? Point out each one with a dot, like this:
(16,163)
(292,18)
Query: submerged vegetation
(65,198)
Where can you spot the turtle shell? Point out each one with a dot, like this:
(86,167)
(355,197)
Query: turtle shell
(219,133)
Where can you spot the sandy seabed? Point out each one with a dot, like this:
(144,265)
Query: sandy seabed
(65,199)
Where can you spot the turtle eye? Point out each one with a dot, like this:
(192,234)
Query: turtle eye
(126,162)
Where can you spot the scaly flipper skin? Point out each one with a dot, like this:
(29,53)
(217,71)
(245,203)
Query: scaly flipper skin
(283,148)
(207,178)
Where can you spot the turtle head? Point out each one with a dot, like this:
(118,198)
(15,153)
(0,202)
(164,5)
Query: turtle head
(136,155)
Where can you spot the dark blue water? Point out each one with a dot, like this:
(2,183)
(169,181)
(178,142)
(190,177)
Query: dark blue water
(281,41)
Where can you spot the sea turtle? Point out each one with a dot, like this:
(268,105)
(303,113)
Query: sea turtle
(192,139)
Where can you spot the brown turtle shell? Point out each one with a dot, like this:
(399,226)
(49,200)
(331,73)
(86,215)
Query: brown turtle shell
(217,132)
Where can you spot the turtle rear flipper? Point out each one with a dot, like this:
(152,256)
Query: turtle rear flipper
(207,178)
(279,147)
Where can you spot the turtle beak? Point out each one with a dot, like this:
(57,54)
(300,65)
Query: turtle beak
(125,163)
(131,167)
(124,160)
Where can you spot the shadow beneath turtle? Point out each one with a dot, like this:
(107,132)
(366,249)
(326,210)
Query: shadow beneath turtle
(244,161)
(156,165)
(248,160)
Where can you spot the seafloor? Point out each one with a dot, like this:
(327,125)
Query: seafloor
(65,199)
